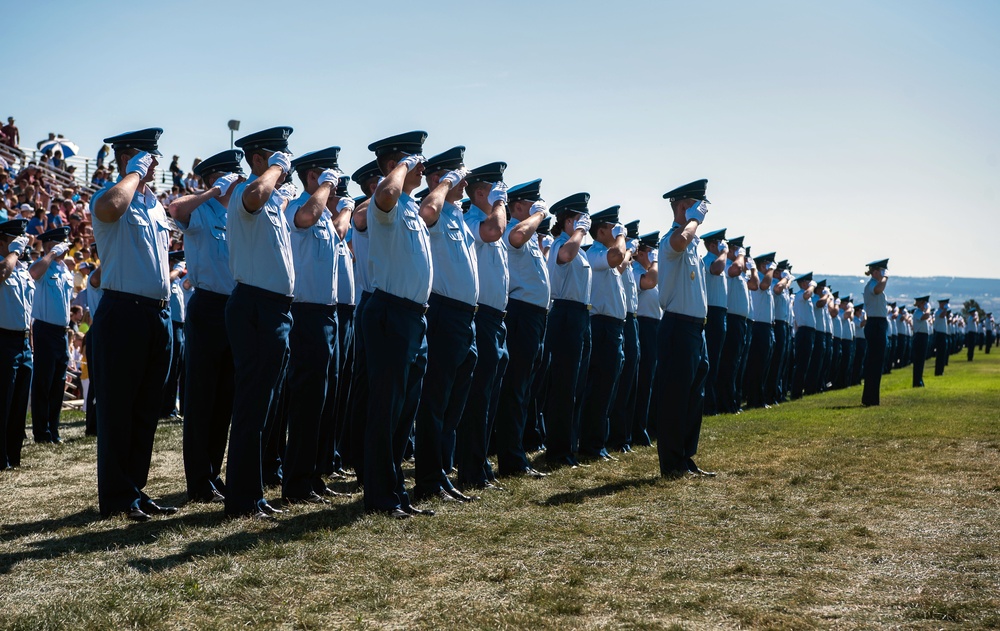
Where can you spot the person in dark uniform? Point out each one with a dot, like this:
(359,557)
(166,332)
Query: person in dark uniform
(50,314)
(258,312)
(131,227)
(860,344)
(534,427)
(941,339)
(607,322)
(17,290)
(567,340)
(990,332)
(682,362)
(648,318)
(762,338)
(178,271)
(487,220)
(393,322)
(316,220)
(208,355)
(814,378)
(875,330)
(737,326)
(527,311)
(777,387)
(921,338)
(805,331)
(715,260)
(451,333)
(622,410)
(971,334)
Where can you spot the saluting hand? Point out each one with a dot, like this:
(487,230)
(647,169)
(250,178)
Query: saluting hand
(139,164)
(497,194)
(697,212)
(17,245)
(412,161)
(59,249)
(345,204)
(226,181)
(583,223)
(617,230)
(280,159)
(329,175)
(456,176)
(538,207)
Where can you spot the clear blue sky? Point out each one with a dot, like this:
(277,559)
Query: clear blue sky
(833,133)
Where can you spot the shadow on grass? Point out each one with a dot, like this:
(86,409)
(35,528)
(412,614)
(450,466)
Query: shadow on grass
(284,529)
(582,495)
(854,406)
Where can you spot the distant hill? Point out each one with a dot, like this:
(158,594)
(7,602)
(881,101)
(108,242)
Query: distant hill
(985,291)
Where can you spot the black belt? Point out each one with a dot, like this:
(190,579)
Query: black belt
(21,335)
(259,292)
(488,310)
(211,295)
(736,315)
(402,302)
(610,319)
(454,304)
(48,325)
(570,303)
(314,306)
(683,318)
(513,304)
(631,315)
(137,299)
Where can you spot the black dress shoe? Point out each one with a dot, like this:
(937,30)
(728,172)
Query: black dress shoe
(455,494)
(137,514)
(211,497)
(534,473)
(270,510)
(312,498)
(422,512)
(153,508)
(693,468)
(398,513)
(331,493)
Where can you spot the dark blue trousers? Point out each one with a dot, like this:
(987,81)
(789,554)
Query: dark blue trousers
(875,335)
(775,387)
(919,358)
(940,352)
(835,361)
(525,334)
(567,343)
(395,334)
(715,339)
(208,405)
(682,367)
(814,376)
(48,380)
(804,339)
(90,423)
(358,417)
(336,453)
(131,359)
(606,358)
(644,406)
(827,361)
(758,364)
(623,406)
(534,426)
(172,387)
(451,359)
(15,377)
(312,346)
(472,437)
(258,323)
(860,353)
(733,351)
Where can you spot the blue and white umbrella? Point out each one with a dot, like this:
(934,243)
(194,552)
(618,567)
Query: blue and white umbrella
(68,149)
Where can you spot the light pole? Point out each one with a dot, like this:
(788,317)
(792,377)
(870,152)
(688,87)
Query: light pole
(234,126)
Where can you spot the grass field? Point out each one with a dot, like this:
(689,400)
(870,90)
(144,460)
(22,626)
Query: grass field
(824,515)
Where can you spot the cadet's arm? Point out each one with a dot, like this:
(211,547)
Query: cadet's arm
(626,262)
(648,280)
(880,285)
(360,216)
(680,239)
(309,213)
(616,253)
(522,232)
(765,283)
(738,266)
(433,204)
(341,220)
(753,283)
(717,266)
(95,278)
(491,229)
(387,193)
(571,248)
(110,206)
(39,267)
(182,207)
(256,193)
(7,265)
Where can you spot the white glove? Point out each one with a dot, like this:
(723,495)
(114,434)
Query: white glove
(617,230)
(697,212)
(633,245)
(139,164)
(750,263)
(17,245)
(723,248)
(412,161)
(653,255)
(456,176)
(497,194)
(226,181)
(826,291)
(59,249)
(538,207)
(547,241)
(741,252)
(345,203)
(286,191)
(329,175)
(784,274)
(583,223)
(281,159)
(772,265)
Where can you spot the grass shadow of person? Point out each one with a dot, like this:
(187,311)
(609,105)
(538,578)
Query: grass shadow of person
(581,495)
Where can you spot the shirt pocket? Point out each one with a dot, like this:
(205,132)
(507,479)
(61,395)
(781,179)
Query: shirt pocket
(323,242)
(413,224)
(218,245)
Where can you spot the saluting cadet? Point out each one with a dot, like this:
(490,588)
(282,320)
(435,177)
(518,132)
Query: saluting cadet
(971,334)
(837,332)
(716,283)
(846,342)
(827,314)
(316,219)
(174,376)
(762,338)
(622,412)
(814,378)
(534,427)
(648,317)
(258,317)
(990,332)
(527,310)
(17,290)
(567,340)
(682,362)
(487,219)
(860,344)
(607,322)
(451,333)
(394,326)
(875,330)
(775,388)
(367,178)
(131,227)
(50,312)
(805,331)
(941,341)
(737,326)
(208,356)
(890,349)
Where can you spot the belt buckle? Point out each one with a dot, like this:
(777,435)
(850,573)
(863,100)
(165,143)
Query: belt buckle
(475,309)
(425,309)
(589,307)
